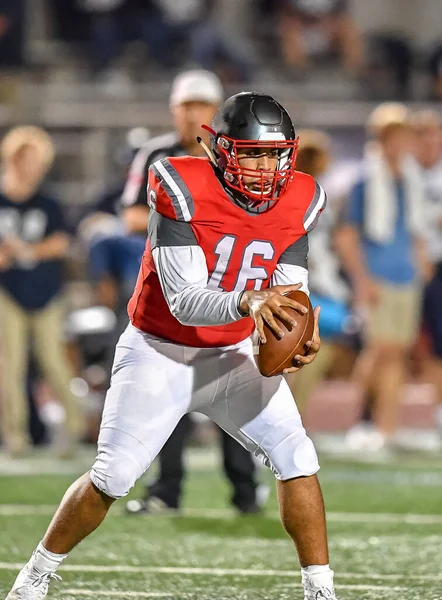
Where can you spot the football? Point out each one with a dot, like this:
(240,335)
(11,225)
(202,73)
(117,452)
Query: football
(277,354)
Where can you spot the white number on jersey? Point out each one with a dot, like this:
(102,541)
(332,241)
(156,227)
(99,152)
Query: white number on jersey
(248,272)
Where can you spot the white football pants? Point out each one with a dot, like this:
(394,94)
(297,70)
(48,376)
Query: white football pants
(155,382)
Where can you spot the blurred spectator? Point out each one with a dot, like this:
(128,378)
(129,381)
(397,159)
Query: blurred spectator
(33,244)
(12,46)
(12,20)
(67,21)
(195,97)
(194,21)
(316,27)
(111,25)
(174,33)
(327,287)
(427,128)
(113,256)
(116,241)
(435,67)
(381,247)
(116,230)
(390,66)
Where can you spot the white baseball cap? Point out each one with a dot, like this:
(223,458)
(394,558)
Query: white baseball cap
(196,86)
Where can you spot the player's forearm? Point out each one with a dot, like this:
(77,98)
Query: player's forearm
(202,307)
(348,246)
(183,276)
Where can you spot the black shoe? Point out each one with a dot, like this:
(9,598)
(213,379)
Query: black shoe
(256,507)
(150,506)
(249,509)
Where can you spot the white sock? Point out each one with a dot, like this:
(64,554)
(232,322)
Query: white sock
(321,575)
(46,561)
(313,569)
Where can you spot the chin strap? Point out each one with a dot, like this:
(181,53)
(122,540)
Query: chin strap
(207,150)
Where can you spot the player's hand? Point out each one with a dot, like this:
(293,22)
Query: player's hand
(313,348)
(264,305)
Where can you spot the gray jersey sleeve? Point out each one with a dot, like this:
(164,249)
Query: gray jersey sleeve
(182,270)
(292,265)
(167,232)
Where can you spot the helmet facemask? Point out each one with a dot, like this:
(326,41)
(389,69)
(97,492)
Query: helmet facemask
(270,183)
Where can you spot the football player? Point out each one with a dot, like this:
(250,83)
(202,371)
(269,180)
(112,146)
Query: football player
(227,239)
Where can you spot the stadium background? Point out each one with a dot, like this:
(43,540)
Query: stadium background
(385,518)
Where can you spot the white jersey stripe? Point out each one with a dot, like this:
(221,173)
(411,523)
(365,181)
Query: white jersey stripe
(176,190)
(316,209)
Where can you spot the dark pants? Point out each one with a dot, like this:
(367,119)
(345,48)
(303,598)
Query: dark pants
(12,40)
(237,462)
(433,311)
(118,257)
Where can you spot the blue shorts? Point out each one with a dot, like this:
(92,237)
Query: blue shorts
(118,257)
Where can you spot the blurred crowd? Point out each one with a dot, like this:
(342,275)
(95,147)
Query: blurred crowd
(375,258)
(289,37)
(375,268)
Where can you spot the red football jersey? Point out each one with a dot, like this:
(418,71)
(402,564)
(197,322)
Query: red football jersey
(241,248)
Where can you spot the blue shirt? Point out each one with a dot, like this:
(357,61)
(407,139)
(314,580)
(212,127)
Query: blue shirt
(32,221)
(393,262)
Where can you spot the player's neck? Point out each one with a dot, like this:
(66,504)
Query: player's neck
(194,149)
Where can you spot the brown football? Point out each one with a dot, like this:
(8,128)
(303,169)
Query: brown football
(277,354)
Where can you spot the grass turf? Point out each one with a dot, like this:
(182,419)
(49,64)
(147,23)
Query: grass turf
(377,551)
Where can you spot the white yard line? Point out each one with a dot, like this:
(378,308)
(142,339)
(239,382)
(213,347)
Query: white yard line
(352,586)
(437,577)
(13,510)
(334,517)
(115,594)
(129,594)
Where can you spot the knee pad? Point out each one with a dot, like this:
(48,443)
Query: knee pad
(115,473)
(295,456)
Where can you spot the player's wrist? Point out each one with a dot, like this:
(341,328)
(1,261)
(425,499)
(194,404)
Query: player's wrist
(243,305)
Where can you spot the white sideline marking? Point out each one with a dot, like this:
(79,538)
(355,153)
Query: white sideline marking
(223,572)
(13,510)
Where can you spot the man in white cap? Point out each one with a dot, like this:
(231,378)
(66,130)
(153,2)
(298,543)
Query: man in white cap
(195,97)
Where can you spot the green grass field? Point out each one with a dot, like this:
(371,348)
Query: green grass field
(385,528)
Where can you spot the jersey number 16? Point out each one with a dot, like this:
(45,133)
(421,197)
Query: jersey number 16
(247,271)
